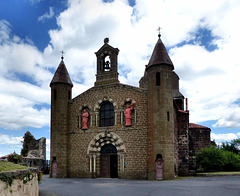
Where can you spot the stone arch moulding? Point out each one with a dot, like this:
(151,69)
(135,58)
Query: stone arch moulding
(127,100)
(85,106)
(106,138)
(97,105)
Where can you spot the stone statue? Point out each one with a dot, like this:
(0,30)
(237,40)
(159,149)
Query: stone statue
(159,167)
(128,116)
(85,116)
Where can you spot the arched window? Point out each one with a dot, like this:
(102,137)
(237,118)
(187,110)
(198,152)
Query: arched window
(107,64)
(106,114)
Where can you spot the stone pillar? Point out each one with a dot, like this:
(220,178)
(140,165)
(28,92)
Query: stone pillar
(115,117)
(90,163)
(121,120)
(91,119)
(96,118)
(94,162)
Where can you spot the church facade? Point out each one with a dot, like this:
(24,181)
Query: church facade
(115,130)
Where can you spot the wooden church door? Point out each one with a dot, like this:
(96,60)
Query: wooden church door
(109,161)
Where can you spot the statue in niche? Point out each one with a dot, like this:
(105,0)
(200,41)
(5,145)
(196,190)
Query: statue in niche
(128,115)
(159,167)
(85,116)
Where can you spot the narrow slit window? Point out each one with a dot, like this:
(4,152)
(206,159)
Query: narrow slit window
(168,116)
(158,79)
(55,94)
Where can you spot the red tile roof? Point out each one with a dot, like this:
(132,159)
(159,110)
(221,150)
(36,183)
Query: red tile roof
(195,126)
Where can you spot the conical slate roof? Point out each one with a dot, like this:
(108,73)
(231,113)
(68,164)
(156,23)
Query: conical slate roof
(160,55)
(61,75)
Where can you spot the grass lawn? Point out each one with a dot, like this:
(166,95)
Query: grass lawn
(8,166)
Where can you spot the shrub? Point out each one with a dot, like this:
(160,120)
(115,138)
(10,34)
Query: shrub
(232,161)
(211,159)
(215,159)
(15,158)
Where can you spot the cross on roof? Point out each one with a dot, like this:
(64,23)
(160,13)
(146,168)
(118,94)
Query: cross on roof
(62,54)
(158,29)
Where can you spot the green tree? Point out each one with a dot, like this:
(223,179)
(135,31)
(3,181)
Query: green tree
(211,159)
(232,146)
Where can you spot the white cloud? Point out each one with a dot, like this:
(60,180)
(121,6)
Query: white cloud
(208,78)
(46,15)
(8,139)
(19,60)
(9,144)
(4,30)
(223,137)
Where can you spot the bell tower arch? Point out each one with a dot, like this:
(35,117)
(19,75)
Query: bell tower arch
(107,70)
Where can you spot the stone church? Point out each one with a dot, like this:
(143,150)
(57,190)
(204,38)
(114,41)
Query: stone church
(115,130)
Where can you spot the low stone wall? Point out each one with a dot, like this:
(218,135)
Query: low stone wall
(24,183)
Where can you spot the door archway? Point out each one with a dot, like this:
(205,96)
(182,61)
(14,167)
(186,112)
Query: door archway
(106,143)
(109,161)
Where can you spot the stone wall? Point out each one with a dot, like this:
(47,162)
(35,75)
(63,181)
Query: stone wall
(134,138)
(199,137)
(183,142)
(26,187)
(34,148)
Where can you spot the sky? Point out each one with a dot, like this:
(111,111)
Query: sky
(201,36)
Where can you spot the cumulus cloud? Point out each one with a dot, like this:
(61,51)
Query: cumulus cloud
(23,83)
(8,139)
(208,78)
(47,15)
(9,143)
(218,138)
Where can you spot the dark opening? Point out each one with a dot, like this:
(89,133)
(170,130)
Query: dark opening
(107,63)
(106,114)
(55,94)
(158,156)
(168,116)
(158,79)
(109,161)
(69,95)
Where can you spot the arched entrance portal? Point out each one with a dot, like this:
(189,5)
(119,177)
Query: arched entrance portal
(106,153)
(109,161)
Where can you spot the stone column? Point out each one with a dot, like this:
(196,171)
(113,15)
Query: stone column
(115,117)
(96,118)
(121,112)
(90,163)
(91,119)
(94,162)
(79,121)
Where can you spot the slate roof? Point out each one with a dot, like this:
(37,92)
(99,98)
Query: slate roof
(160,55)
(61,75)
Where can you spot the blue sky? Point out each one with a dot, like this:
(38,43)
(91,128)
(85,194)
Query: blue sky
(202,43)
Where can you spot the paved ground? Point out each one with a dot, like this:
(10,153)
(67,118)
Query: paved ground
(198,186)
